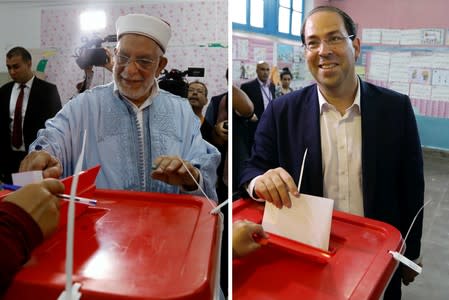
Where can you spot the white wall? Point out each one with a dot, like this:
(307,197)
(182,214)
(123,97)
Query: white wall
(19,26)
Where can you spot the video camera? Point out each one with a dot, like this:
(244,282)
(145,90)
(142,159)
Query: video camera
(92,54)
(174,80)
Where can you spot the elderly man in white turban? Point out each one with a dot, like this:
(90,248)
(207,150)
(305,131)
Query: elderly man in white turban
(144,138)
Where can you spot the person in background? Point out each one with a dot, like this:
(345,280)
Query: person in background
(217,116)
(275,77)
(27,216)
(286,79)
(261,92)
(144,138)
(364,150)
(26,103)
(197,96)
(245,235)
(89,72)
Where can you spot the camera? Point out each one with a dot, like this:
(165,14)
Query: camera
(92,54)
(92,57)
(174,81)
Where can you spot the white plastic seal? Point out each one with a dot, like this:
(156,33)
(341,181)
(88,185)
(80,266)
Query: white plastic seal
(401,258)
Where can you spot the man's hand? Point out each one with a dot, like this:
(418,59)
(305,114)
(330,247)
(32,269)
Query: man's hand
(243,237)
(42,160)
(171,170)
(39,200)
(408,275)
(220,133)
(222,129)
(253,118)
(274,186)
(110,64)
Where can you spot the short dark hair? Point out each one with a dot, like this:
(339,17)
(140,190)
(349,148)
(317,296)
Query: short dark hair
(285,71)
(202,83)
(350,25)
(19,51)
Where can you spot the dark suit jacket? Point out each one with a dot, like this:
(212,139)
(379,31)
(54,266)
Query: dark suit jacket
(252,89)
(392,167)
(43,103)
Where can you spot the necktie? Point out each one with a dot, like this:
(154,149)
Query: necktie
(17,127)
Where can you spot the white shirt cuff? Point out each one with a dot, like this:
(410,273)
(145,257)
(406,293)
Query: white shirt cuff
(250,189)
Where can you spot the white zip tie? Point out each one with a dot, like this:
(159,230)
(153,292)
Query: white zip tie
(212,203)
(218,207)
(411,225)
(401,258)
(72,291)
(412,265)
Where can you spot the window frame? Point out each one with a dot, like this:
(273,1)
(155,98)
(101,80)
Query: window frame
(271,12)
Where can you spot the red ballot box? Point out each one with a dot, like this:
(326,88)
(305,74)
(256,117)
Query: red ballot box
(357,265)
(132,245)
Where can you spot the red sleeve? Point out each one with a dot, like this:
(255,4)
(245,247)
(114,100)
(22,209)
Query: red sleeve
(19,235)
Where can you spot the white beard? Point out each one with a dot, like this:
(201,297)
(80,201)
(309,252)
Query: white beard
(130,93)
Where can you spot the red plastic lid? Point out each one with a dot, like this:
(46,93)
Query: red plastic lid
(133,245)
(358,265)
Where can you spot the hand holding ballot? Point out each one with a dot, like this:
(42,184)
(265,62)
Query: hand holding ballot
(307,221)
(42,160)
(41,202)
(274,185)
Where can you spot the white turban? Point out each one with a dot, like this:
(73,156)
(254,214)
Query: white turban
(153,27)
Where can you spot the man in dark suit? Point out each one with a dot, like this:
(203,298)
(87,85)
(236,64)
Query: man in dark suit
(261,92)
(39,101)
(363,145)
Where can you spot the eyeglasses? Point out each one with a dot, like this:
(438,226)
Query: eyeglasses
(334,41)
(142,63)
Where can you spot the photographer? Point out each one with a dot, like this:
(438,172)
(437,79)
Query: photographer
(174,82)
(106,58)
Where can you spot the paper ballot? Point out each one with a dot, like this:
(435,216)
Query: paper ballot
(24,178)
(308,220)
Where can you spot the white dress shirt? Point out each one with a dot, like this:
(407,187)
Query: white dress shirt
(266,93)
(341,150)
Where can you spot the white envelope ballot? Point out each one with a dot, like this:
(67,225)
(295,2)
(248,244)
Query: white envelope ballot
(24,178)
(308,220)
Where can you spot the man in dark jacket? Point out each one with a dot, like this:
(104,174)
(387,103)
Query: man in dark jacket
(363,148)
(25,104)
